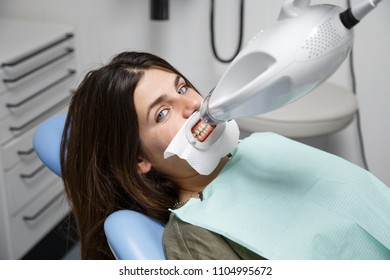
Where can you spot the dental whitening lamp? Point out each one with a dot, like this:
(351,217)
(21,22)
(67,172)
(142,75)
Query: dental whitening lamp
(283,63)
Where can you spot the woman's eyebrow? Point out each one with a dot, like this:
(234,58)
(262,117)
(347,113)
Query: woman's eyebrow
(177,79)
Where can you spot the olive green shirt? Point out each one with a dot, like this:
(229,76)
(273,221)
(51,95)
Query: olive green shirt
(183,241)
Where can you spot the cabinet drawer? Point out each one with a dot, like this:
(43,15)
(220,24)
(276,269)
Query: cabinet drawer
(35,221)
(21,148)
(27,181)
(28,65)
(17,124)
(30,93)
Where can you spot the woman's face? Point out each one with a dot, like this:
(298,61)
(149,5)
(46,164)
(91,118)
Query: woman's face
(163,102)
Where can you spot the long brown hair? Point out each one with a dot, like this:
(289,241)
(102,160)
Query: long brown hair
(99,152)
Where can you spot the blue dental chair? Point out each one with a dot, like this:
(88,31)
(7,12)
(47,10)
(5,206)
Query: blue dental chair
(130,234)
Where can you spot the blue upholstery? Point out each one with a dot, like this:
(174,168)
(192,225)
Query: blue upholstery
(134,236)
(47,142)
(131,235)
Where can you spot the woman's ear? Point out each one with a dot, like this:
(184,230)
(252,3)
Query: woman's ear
(144,165)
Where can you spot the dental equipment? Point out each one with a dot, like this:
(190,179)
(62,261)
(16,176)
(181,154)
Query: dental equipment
(283,63)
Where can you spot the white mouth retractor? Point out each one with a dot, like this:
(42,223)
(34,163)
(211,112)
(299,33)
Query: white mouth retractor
(210,140)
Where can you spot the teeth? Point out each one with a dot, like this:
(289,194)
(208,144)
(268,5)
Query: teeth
(201,131)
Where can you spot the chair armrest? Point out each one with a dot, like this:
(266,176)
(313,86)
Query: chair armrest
(134,236)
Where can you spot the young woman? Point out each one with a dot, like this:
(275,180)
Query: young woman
(120,121)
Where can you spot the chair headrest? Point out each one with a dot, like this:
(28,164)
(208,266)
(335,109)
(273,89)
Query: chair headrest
(47,142)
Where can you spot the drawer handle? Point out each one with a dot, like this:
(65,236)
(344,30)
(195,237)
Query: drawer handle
(27,57)
(26,153)
(43,209)
(71,72)
(32,174)
(14,80)
(30,122)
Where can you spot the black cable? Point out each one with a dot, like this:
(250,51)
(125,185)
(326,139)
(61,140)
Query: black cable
(213,37)
(358,117)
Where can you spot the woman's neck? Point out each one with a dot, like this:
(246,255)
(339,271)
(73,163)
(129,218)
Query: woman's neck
(191,186)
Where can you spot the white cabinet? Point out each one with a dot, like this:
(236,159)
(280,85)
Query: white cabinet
(37,75)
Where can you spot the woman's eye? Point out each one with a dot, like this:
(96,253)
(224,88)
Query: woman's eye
(182,90)
(161,115)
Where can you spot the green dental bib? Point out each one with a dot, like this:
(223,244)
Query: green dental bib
(285,200)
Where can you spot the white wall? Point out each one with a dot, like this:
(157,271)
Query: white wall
(106,27)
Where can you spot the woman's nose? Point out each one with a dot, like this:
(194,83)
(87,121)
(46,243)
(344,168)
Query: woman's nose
(190,105)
